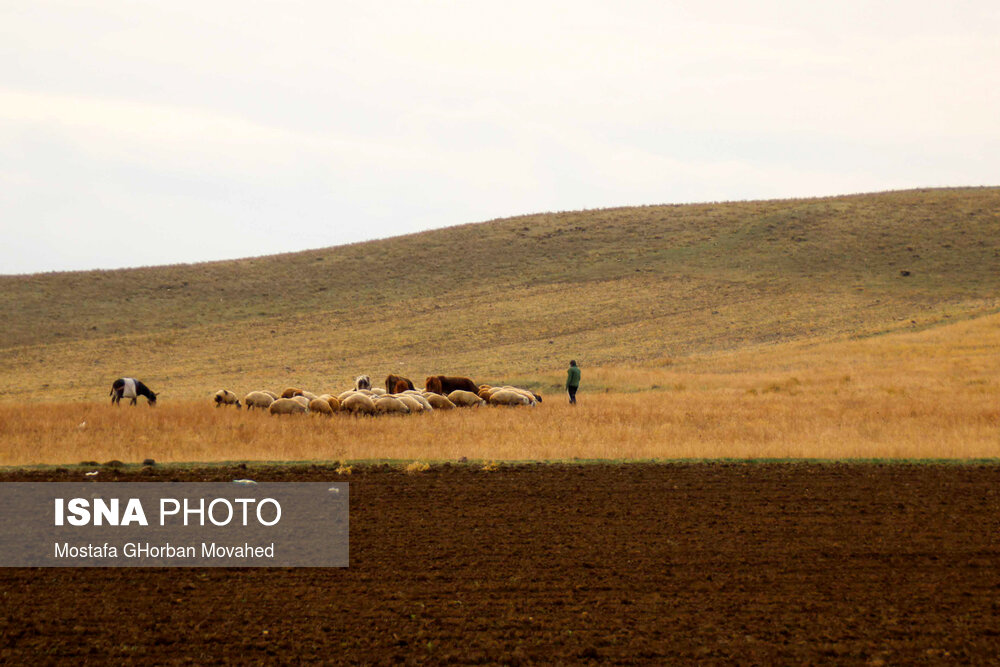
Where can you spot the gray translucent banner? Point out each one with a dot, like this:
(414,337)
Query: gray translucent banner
(183,524)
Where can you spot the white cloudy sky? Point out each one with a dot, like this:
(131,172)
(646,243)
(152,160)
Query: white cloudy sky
(136,132)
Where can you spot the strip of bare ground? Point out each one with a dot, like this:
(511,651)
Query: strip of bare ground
(622,563)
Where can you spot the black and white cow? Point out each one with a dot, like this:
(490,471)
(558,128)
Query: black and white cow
(130,388)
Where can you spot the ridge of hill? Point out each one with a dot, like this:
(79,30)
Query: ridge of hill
(514,297)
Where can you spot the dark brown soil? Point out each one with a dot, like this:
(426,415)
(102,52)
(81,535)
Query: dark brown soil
(753,563)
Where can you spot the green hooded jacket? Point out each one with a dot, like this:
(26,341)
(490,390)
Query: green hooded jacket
(573,376)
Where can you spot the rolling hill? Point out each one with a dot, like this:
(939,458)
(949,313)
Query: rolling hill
(513,299)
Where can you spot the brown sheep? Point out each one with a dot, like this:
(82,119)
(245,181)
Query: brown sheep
(289,392)
(393,380)
(332,400)
(320,406)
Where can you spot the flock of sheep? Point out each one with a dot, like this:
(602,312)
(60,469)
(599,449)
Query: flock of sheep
(440,392)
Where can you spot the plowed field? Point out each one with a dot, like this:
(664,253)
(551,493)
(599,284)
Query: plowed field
(766,563)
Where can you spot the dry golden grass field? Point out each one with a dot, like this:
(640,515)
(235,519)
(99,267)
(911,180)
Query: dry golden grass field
(850,327)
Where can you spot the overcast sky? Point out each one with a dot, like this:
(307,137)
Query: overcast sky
(135,133)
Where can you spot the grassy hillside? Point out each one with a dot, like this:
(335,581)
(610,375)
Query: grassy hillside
(512,299)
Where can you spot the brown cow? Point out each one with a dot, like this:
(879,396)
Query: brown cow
(392,380)
(401,386)
(433,385)
(450,383)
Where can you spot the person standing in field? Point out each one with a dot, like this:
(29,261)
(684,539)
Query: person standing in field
(572,381)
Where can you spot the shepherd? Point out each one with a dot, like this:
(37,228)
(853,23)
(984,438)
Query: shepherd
(572,381)
(130,388)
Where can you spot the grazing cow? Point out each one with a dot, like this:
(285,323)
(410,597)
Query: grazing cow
(392,380)
(450,383)
(401,386)
(362,382)
(130,388)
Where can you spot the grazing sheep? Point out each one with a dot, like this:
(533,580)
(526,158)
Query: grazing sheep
(270,393)
(289,392)
(301,400)
(258,399)
(484,392)
(439,402)
(333,401)
(308,394)
(392,380)
(341,396)
(320,406)
(524,392)
(363,382)
(226,397)
(358,404)
(420,399)
(465,399)
(508,397)
(410,402)
(377,391)
(287,406)
(390,405)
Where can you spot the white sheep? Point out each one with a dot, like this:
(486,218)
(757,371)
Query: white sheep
(508,397)
(410,402)
(390,405)
(358,404)
(465,399)
(258,399)
(226,397)
(438,402)
(287,406)
(419,398)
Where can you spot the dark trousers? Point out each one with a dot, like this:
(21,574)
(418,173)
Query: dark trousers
(572,394)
